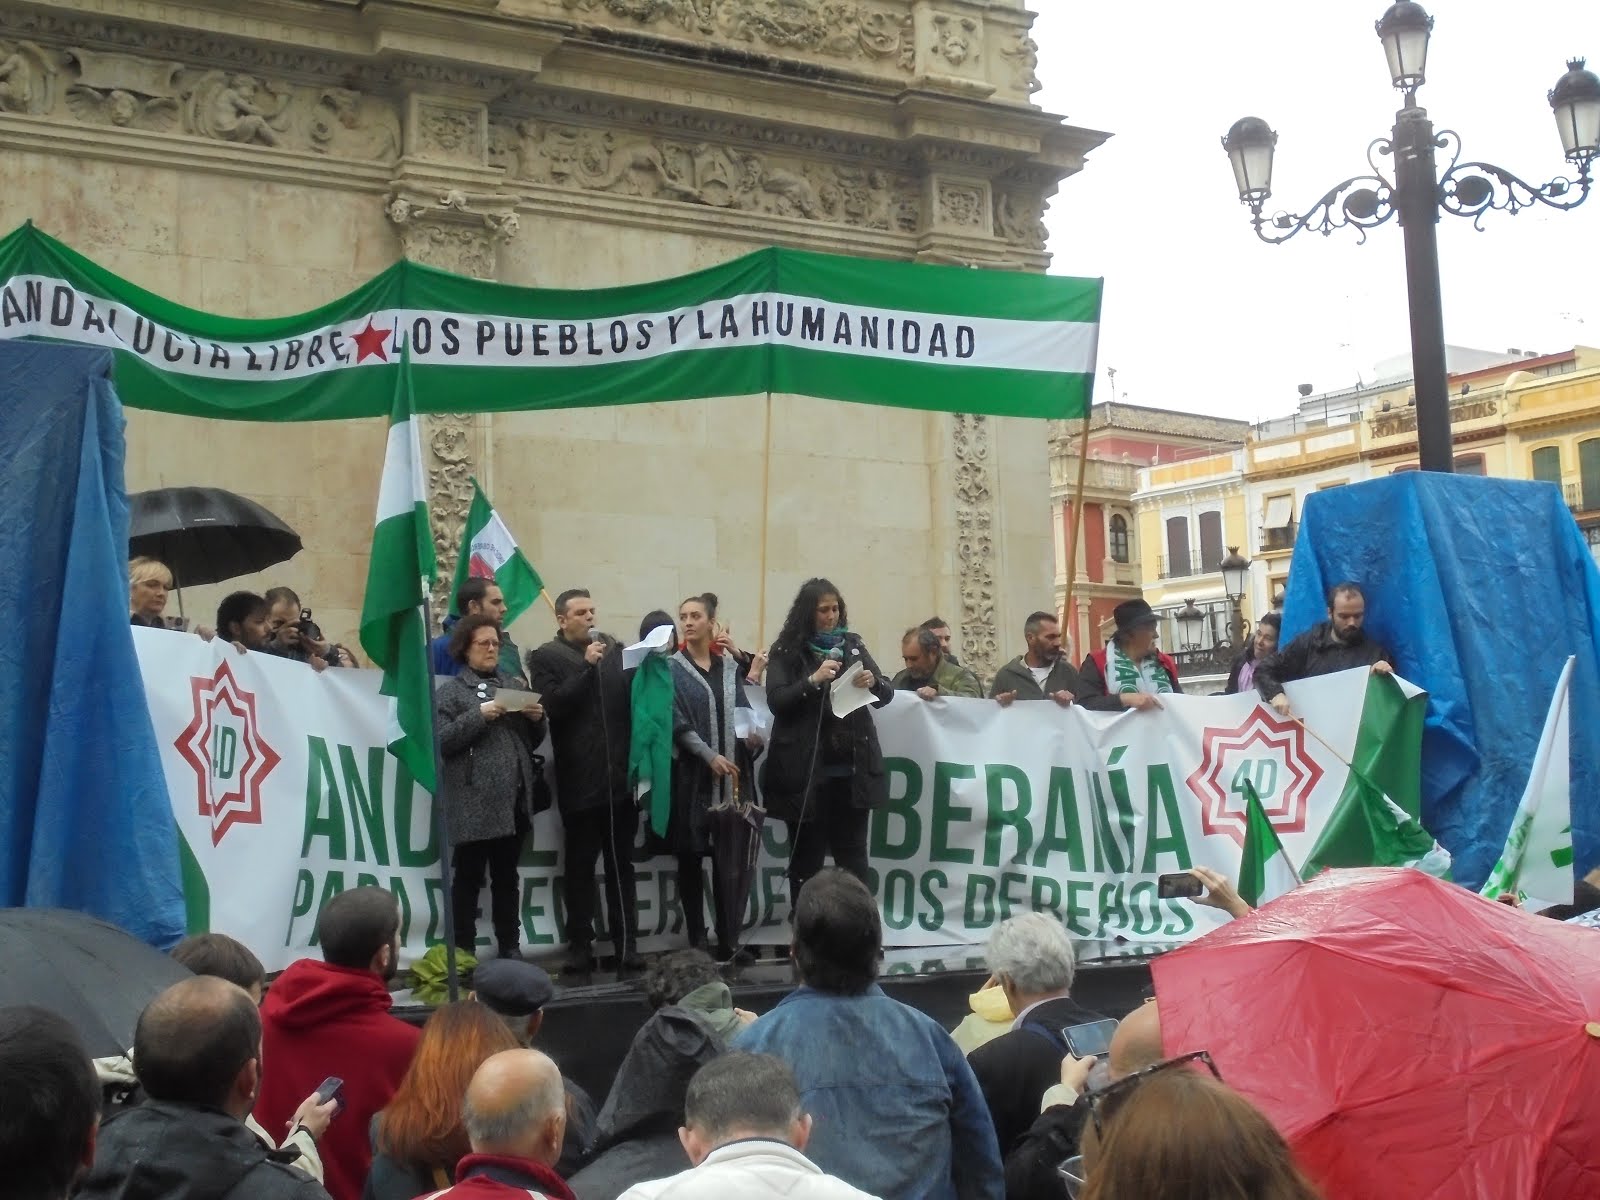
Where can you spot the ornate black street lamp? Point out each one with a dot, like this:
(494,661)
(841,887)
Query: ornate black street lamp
(1418,193)
(1235,579)
(1189,619)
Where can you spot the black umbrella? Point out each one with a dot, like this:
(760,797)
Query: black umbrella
(206,535)
(735,845)
(93,974)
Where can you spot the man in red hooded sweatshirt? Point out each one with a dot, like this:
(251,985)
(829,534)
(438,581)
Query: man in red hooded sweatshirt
(331,1018)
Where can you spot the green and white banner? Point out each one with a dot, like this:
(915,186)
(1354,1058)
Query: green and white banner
(285,795)
(906,335)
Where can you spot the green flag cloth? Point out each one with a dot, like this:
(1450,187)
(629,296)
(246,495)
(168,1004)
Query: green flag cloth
(1265,872)
(650,750)
(1536,863)
(488,551)
(1376,821)
(394,632)
(907,335)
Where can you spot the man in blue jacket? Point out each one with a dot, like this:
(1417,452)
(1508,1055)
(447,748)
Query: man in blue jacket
(478,596)
(898,1111)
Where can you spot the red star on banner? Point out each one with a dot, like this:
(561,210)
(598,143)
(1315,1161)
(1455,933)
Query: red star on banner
(224,746)
(1264,737)
(372,342)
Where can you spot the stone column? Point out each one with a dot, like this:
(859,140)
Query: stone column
(975,496)
(450,211)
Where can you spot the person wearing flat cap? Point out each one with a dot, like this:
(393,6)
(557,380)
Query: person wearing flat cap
(1128,671)
(517,992)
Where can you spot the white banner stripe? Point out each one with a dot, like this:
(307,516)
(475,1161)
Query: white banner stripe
(44,306)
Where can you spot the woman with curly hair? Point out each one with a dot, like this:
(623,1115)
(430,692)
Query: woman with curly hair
(418,1139)
(823,773)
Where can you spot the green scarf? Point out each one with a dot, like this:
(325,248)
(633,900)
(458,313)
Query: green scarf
(650,750)
(1147,675)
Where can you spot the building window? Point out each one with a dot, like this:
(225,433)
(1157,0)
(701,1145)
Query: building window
(1547,464)
(1589,472)
(1210,543)
(1177,564)
(1277,522)
(1592,536)
(1470,464)
(1119,538)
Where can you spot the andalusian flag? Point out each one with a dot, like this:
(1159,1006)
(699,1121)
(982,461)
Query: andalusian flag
(1536,863)
(488,551)
(394,631)
(1377,822)
(1265,872)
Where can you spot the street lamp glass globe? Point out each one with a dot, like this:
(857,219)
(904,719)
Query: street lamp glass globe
(1249,144)
(1575,100)
(1190,619)
(1235,573)
(1404,30)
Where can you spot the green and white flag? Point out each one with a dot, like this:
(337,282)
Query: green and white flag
(1265,872)
(394,632)
(1536,863)
(1377,820)
(907,335)
(488,551)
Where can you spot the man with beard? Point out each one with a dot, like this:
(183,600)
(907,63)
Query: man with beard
(1336,644)
(1041,673)
(332,1018)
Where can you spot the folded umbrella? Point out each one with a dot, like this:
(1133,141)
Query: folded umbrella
(96,976)
(207,535)
(1408,1037)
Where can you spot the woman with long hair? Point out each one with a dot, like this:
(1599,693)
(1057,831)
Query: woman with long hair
(418,1139)
(1181,1134)
(823,773)
(708,687)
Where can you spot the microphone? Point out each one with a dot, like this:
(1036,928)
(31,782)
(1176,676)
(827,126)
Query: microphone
(595,635)
(837,654)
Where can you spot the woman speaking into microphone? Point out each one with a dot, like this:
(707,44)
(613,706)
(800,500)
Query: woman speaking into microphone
(823,773)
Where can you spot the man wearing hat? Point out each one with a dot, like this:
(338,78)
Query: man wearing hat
(1128,671)
(517,992)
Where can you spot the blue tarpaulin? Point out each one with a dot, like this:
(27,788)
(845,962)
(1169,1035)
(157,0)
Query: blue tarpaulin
(1480,588)
(85,822)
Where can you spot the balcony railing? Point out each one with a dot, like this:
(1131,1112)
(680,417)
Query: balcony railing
(1098,474)
(1582,499)
(1178,568)
(1199,662)
(1278,538)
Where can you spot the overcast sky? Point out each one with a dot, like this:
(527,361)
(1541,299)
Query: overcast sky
(1199,314)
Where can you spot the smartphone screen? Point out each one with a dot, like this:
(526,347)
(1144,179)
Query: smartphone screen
(1094,1037)
(1179,885)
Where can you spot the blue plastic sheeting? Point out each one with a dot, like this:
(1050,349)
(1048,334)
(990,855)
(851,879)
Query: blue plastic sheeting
(1480,588)
(85,822)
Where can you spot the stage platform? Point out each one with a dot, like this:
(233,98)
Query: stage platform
(587,1028)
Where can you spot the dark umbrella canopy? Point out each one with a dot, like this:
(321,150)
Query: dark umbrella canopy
(735,846)
(206,535)
(96,976)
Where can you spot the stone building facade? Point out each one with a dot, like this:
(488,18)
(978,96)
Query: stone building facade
(263,158)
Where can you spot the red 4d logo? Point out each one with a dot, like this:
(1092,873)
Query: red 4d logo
(223,744)
(1269,754)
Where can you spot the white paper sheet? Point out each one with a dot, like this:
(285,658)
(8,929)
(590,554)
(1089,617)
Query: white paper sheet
(657,641)
(515,699)
(847,697)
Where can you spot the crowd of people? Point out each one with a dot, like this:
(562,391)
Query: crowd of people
(838,1091)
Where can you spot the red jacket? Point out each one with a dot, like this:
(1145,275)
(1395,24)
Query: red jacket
(495,1177)
(320,1020)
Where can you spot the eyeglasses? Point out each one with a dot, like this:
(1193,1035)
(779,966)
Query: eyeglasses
(1104,1103)
(483,645)
(1072,1176)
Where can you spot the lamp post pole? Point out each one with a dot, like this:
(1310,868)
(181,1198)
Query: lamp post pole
(1417,202)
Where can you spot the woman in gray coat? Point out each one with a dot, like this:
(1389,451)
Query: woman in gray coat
(488,775)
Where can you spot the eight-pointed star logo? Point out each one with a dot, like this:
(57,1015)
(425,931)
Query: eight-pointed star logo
(223,744)
(1266,753)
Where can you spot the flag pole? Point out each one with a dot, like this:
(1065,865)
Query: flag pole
(441,816)
(545,595)
(766,496)
(1067,617)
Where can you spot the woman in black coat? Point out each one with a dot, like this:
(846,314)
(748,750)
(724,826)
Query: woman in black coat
(488,775)
(822,774)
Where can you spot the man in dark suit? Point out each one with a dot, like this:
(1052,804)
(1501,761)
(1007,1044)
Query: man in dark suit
(1032,958)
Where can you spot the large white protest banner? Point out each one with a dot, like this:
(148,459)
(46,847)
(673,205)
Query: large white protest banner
(285,795)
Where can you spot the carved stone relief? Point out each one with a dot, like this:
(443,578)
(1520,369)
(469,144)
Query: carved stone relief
(27,78)
(976,488)
(1024,60)
(1017,219)
(846,29)
(448,132)
(956,39)
(115,89)
(961,205)
(705,173)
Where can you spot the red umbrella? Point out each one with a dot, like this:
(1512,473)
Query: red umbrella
(1410,1038)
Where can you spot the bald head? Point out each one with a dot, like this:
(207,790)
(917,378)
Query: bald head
(516,1106)
(1137,1042)
(199,1042)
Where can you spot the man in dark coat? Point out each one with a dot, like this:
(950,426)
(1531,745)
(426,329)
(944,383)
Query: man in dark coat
(586,698)
(1336,644)
(197,1053)
(1040,673)
(1032,958)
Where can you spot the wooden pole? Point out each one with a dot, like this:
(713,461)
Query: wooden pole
(1068,618)
(766,497)
(545,592)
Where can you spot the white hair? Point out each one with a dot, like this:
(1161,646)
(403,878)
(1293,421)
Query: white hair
(1034,952)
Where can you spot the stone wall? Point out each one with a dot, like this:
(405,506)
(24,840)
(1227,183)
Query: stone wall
(266,163)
